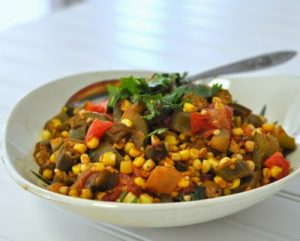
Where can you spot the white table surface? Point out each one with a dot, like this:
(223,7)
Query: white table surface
(155,35)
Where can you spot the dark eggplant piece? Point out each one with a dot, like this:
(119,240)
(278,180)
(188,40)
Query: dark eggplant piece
(100,181)
(116,133)
(248,182)
(105,147)
(78,133)
(240,110)
(265,146)
(220,142)
(181,166)
(255,120)
(137,137)
(285,141)
(181,122)
(42,152)
(156,152)
(230,171)
(66,157)
(139,123)
(56,143)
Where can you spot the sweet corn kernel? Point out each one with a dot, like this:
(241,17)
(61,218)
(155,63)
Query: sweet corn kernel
(183,137)
(127,122)
(128,146)
(98,166)
(251,165)
(249,146)
(184,154)
(139,181)
(84,158)
(100,195)
(127,158)
(237,156)
(184,182)
(47,173)
(175,156)
(237,131)
(218,103)
(149,165)
(220,181)
(146,198)
(86,193)
(174,194)
(226,191)
(79,147)
(56,122)
(64,190)
(119,145)
(202,152)
(268,126)
(58,173)
(130,198)
(183,146)
(217,132)
(85,166)
(275,171)
(234,147)
(197,164)
(73,192)
(171,140)
(139,161)
(93,143)
(224,161)
(187,197)
(46,134)
(125,105)
(126,167)
(194,153)
(134,152)
(206,166)
(64,133)
(108,158)
(76,169)
(196,180)
(188,107)
(214,162)
(266,172)
(173,148)
(235,183)
(52,158)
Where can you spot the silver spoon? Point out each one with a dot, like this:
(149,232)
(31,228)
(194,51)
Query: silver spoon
(263,61)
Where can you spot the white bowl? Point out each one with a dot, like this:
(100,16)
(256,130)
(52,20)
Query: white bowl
(29,115)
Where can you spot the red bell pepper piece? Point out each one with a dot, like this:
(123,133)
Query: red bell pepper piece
(97,129)
(277,159)
(97,107)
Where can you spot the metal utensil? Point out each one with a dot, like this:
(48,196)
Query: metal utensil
(268,60)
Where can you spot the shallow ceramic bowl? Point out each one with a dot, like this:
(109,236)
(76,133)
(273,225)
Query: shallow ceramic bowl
(280,93)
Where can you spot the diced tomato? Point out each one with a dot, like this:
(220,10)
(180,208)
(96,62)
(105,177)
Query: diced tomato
(277,159)
(113,195)
(212,119)
(97,107)
(97,129)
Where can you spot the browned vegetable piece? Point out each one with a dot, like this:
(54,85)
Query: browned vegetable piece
(56,143)
(76,121)
(285,141)
(116,133)
(67,156)
(117,112)
(212,189)
(100,181)
(225,96)
(79,133)
(163,180)
(138,137)
(42,152)
(240,110)
(221,141)
(265,146)
(156,152)
(105,147)
(94,115)
(181,121)
(198,101)
(255,120)
(249,182)
(232,170)
(139,123)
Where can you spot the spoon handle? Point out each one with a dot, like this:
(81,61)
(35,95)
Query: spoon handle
(250,64)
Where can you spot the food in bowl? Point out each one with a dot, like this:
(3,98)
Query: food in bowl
(161,140)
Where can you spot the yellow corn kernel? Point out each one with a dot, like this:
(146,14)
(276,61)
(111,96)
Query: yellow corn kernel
(217,132)
(187,197)
(197,164)
(52,158)
(84,158)
(127,158)
(251,165)
(64,190)
(174,194)
(209,155)
(86,193)
(139,181)
(80,147)
(184,154)
(265,172)
(214,162)
(108,158)
(188,107)
(134,152)
(184,182)
(127,122)
(139,161)
(218,102)
(183,137)
(58,173)
(275,171)
(235,183)
(226,191)
(64,133)
(129,146)
(173,148)
(46,134)
(73,192)
(47,173)
(98,166)
(224,161)
(93,143)
(268,126)
(194,153)
(119,145)
(220,181)
(175,156)
(196,180)
(237,156)
(149,165)
(183,146)
(202,152)
(130,198)
(171,140)
(249,146)
(234,147)
(126,167)
(206,166)
(100,195)
(237,131)
(56,122)
(76,169)
(146,198)
(85,166)
(125,105)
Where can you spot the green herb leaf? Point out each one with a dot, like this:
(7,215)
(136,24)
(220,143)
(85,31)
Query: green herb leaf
(205,90)
(157,132)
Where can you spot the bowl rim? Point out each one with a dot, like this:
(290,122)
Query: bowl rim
(52,196)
